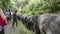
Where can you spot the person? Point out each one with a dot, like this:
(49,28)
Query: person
(15,18)
(8,14)
(3,22)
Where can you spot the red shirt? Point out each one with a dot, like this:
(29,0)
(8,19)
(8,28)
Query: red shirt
(2,22)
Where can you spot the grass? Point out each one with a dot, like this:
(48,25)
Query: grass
(23,29)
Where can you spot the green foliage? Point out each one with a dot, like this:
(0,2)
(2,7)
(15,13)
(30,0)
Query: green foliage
(4,4)
(42,6)
(31,7)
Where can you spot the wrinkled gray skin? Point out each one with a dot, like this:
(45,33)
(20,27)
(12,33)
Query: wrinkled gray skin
(19,16)
(49,23)
(35,23)
(26,21)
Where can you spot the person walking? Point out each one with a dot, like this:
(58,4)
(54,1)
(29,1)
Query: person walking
(8,14)
(3,22)
(15,18)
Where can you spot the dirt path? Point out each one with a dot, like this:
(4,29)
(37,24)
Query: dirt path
(10,30)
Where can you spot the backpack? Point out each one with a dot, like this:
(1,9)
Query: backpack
(8,14)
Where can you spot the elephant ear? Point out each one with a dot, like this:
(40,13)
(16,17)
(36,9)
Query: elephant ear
(35,17)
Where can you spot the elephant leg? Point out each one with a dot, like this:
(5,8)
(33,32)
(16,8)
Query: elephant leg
(41,29)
